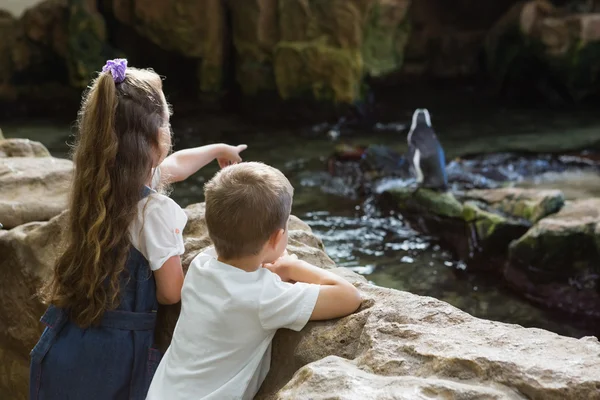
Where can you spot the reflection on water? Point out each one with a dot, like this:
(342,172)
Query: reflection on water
(358,236)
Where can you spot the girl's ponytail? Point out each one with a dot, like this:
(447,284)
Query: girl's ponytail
(118,127)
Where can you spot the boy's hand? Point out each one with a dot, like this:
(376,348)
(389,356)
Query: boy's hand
(282,265)
(230,155)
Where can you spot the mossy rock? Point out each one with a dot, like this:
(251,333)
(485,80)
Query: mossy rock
(529,204)
(386,35)
(316,69)
(326,47)
(563,243)
(484,222)
(429,202)
(87,44)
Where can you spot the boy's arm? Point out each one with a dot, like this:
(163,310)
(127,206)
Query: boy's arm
(183,163)
(337,296)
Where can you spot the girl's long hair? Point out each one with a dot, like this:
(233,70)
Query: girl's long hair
(118,142)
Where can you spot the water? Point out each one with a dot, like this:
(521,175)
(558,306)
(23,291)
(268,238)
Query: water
(357,235)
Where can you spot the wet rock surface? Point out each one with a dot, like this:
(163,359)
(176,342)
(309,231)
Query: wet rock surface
(557,262)
(545,248)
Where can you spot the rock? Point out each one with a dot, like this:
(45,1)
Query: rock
(8,27)
(88,48)
(529,204)
(548,49)
(21,148)
(329,64)
(337,375)
(45,23)
(40,50)
(28,252)
(440,204)
(487,225)
(446,39)
(255,32)
(33,50)
(33,189)
(192,28)
(408,341)
(557,262)
(396,338)
(473,231)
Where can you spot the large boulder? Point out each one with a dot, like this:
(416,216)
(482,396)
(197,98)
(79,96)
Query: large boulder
(540,47)
(529,204)
(88,47)
(446,37)
(547,249)
(403,346)
(329,64)
(557,262)
(33,189)
(194,29)
(22,148)
(472,229)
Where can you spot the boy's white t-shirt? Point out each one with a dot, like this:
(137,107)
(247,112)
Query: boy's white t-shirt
(221,346)
(157,230)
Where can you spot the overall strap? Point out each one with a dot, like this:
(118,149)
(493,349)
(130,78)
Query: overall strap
(127,320)
(146,191)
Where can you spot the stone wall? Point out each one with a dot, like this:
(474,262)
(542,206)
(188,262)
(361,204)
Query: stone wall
(319,50)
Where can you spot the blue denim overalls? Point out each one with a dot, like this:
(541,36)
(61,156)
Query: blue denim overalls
(113,361)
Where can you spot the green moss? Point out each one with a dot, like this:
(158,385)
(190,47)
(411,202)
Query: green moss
(383,43)
(315,68)
(485,222)
(254,69)
(87,46)
(210,77)
(431,202)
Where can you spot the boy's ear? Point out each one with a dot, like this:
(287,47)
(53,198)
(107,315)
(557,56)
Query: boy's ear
(276,237)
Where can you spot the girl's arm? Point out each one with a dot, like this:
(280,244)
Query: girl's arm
(169,281)
(183,163)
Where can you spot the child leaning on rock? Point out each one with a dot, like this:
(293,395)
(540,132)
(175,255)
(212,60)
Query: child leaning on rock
(237,294)
(123,243)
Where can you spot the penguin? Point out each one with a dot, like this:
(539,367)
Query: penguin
(426,153)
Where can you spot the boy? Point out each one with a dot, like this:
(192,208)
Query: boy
(237,294)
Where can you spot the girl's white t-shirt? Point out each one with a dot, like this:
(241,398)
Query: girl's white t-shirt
(157,230)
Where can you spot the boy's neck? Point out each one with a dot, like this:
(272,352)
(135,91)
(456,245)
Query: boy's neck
(248,264)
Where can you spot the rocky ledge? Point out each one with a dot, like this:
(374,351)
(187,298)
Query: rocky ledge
(34,184)
(546,248)
(396,346)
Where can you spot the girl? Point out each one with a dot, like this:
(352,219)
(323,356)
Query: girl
(123,243)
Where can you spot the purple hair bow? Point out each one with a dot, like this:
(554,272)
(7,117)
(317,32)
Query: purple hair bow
(117,68)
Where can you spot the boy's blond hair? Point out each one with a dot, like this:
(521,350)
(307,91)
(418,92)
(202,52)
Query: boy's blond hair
(245,204)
